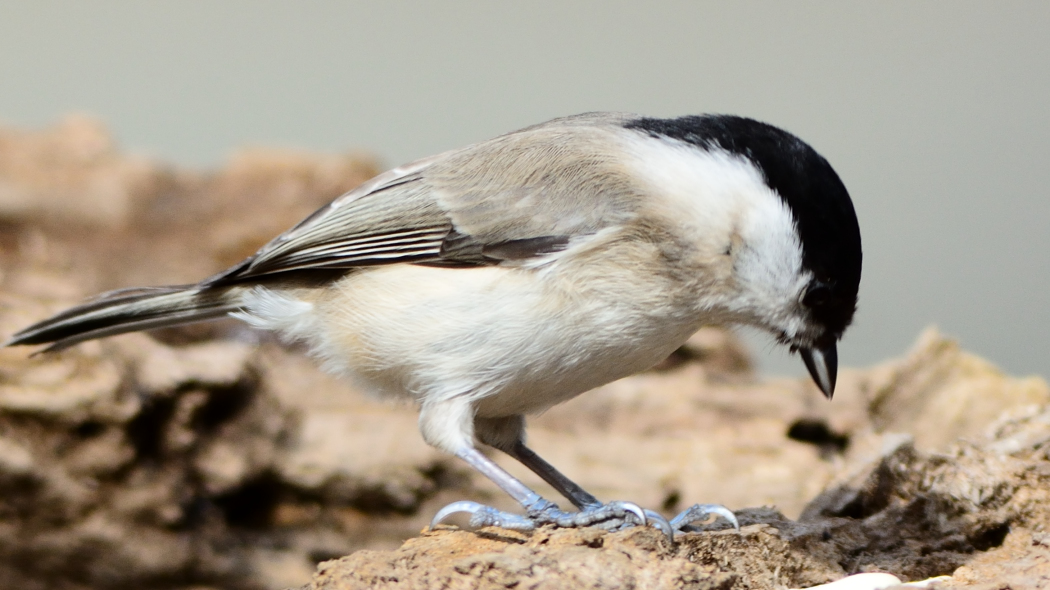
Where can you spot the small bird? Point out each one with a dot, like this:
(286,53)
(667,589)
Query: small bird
(497,280)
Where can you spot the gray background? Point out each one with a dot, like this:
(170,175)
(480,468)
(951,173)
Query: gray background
(935,114)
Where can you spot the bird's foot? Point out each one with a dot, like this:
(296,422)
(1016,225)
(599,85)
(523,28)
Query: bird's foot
(701,512)
(613,516)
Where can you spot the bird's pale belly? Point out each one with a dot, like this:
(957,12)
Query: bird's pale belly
(486,334)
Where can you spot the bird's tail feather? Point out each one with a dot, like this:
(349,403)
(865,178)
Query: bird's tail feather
(129,310)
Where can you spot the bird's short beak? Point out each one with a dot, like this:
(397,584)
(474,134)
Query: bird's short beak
(823,365)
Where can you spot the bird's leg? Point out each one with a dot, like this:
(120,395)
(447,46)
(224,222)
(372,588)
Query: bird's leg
(580,497)
(538,510)
(506,434)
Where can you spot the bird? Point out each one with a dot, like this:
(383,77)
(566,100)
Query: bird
(494,281)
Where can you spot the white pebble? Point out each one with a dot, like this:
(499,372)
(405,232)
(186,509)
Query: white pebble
(874,582)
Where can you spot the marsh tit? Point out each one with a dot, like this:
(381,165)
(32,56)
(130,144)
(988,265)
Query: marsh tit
(497,280)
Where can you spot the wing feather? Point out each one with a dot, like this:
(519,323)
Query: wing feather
(384,220)
(520,196)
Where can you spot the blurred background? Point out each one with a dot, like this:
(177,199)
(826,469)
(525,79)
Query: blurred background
(935,114)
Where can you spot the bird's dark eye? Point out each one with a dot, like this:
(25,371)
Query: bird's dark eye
(817,294)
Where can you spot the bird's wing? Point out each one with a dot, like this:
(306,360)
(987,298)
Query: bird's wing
(516,197)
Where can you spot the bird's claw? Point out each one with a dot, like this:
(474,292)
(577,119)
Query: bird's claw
(661,523)
(611,516)
(483,516)
(698,512)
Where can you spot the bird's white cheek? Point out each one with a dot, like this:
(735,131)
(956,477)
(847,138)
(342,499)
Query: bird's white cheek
(767,268)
